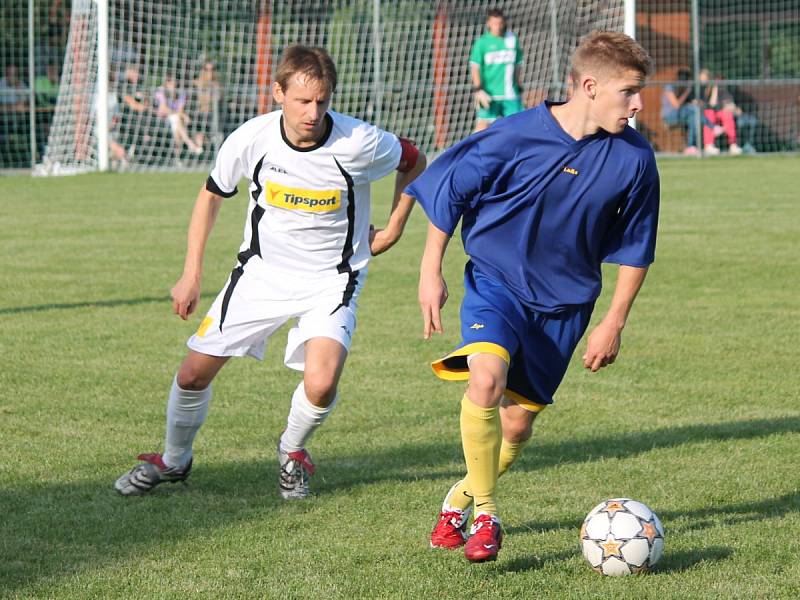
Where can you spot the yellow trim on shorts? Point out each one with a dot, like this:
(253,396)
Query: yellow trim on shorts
(204,325)
(450,374)
(530,405)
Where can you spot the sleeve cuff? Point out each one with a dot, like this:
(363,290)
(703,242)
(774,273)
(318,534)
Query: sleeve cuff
(212,187)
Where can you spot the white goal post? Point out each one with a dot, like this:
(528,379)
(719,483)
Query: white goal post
(177,77)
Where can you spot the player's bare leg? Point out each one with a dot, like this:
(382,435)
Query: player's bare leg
(312,402)
(187,408)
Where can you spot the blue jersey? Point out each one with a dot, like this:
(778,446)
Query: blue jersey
(540,211)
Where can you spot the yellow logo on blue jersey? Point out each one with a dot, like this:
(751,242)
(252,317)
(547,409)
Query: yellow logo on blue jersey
(570,170)
(477,326)
(301,199)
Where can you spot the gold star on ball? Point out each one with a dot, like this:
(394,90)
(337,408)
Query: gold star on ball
(649,531)
(611,547)
(613,506)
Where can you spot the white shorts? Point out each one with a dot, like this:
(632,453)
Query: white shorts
(256,308)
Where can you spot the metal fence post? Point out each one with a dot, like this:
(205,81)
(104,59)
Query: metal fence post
(31,80)
(101,100)
(696,71)
(630,29)
(377,84)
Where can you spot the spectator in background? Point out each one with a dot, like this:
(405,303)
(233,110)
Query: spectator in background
(743,108)
(494,67)
(717,115)
(13,92)
(119,156)
(46,87)
(205,104)
(678,108)
(170,103)
(137,120)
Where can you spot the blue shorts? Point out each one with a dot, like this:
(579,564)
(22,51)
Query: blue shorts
(536,346)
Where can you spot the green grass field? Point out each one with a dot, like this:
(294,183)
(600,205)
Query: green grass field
(699,417)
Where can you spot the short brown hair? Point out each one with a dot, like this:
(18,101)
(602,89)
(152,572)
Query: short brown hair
(312,62)
(602,52)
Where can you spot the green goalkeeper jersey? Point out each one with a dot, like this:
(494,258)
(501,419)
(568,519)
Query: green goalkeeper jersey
(497,57)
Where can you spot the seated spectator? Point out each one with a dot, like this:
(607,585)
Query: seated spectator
(205,105)
(137,119)
(717,115)
(13,92)
(46,87)
(170,104)
(678,108)
(743,108)
(119,157)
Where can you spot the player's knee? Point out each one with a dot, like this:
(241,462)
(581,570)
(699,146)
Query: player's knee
(486,387)
(518,430)
(320,388)
(192,378)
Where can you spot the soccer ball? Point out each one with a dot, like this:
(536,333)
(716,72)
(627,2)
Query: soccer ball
(622,536)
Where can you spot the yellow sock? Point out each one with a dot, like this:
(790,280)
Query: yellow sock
(480,437)
(460,495)
(509,451)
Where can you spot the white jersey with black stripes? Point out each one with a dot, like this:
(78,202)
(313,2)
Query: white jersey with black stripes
(309,207)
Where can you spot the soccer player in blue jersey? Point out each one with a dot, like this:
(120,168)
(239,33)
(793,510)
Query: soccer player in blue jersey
(544,197)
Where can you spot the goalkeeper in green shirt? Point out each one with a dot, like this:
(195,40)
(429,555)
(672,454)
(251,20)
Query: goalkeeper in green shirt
(494,64)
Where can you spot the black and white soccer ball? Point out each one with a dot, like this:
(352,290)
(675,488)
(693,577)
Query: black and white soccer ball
(622,536)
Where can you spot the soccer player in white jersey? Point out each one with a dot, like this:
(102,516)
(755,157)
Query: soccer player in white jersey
(306,246)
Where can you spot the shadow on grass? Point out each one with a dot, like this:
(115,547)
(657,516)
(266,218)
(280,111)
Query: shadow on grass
(675,562)
(626,445)
(48,531)
(90,304)
(717,515)
(733,514)
(671,562)
(623,446)
(534,563)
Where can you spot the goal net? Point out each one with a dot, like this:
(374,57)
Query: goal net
(184,74)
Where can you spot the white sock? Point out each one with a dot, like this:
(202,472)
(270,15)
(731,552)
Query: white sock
(186,412)
(304,418)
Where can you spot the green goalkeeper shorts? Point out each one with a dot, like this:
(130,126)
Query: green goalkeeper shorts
(500,108)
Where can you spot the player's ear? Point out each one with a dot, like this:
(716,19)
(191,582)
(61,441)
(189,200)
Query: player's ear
(589,86)
(277,92)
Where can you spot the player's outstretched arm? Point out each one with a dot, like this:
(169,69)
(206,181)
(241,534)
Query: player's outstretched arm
(186,292)
(380,240)
(432,286)
(604,341)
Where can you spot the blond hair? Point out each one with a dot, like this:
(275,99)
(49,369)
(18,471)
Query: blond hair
(609,52)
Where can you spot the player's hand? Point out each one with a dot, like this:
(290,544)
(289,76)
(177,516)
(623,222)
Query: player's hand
(482,99)
(432,297)
(185,296)
(603,346)
(380,240)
